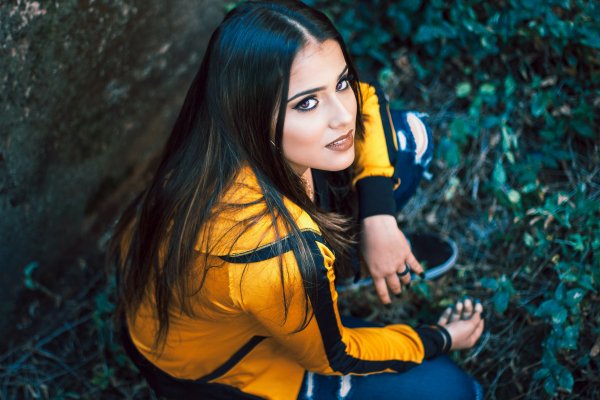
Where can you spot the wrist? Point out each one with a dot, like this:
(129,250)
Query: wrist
(447,338)
(378,220)
(436,340)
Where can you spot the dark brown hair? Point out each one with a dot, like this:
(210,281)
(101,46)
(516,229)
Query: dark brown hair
(225,122)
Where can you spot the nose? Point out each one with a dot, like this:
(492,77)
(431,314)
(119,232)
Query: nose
(342,113)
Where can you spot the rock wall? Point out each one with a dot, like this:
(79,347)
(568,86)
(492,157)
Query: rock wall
(88,92)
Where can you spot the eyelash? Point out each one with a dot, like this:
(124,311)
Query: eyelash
(348,78)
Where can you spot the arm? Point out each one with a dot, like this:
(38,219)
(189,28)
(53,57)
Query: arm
(384,246)
(325,346)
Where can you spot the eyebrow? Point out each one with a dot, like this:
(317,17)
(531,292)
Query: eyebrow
(316,89)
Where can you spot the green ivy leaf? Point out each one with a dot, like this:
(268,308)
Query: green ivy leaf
(583,128)
(449,152)
(487,89)
(509,86)
(590,38)
(421,288)
(570,336)
(586,282)
(541,373)
(552,308)
(576,241)
(501,300)
(528,240)
(426,33)
(560,292)
(574,297)
(460,130)
(489,283)
(539,104)
(565,380)
(499,175)
(514,197)
(463,89)
(550,386)
(410,5)
(560,315)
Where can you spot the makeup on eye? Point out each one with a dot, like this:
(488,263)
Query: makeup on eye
(346,79)
(318,89)
(309,103)
(303,108)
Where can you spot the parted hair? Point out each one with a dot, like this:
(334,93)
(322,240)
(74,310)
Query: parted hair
(233,112)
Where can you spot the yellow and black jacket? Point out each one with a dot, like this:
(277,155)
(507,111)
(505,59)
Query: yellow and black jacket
(242,344)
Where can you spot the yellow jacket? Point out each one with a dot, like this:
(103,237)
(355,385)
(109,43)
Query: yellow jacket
(241,343)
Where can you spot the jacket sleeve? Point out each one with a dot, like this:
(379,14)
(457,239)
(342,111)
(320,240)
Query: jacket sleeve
(324,345)
(373,169)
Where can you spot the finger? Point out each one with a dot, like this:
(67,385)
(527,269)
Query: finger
(456,312)
(468,309)
(415,265)
(474,337)
(445,317)
(474,320)
(478,306)
(382,290)
(393,283)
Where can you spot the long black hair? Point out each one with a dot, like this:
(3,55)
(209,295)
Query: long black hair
(233,110)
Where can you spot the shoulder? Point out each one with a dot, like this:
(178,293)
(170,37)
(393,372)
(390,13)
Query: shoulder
(241,222)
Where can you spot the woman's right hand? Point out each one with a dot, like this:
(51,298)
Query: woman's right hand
(464,323)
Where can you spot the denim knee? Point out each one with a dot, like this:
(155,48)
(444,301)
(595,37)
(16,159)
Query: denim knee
(415,151)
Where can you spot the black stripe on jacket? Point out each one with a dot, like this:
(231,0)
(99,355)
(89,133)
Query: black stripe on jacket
(171,387)
(376,193)
(323,307)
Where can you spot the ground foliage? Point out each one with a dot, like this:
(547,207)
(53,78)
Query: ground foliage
(512,90)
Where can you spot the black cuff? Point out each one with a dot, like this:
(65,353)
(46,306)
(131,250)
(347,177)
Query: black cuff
(436,340)
(375,196)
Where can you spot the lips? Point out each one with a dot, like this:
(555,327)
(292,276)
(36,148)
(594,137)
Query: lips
(343,142)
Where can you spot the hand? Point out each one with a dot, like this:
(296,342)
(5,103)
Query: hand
(387,254)
(464,323)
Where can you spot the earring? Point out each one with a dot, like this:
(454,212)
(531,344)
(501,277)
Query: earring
(273,143)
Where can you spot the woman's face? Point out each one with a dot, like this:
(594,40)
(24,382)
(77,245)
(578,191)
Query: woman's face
(320,120)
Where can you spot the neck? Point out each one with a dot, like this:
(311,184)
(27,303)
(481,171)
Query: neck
(306,178)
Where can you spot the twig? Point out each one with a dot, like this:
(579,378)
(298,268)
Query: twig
(66,327)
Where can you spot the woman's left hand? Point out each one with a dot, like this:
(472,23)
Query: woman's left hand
(388,255)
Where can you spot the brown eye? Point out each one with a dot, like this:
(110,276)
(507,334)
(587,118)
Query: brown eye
(343,85)
(307,104)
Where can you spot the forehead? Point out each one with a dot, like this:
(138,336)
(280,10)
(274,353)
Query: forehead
(316,65)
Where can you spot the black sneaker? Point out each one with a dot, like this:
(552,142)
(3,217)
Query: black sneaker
(436,254)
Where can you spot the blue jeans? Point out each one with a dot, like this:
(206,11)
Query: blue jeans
(438,378)
(409,167)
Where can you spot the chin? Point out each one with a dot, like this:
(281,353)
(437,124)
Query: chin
(339,164)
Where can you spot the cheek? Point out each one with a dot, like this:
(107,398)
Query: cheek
(350,104)
(302,131)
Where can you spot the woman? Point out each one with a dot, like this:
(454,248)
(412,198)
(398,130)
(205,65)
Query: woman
(227,262)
